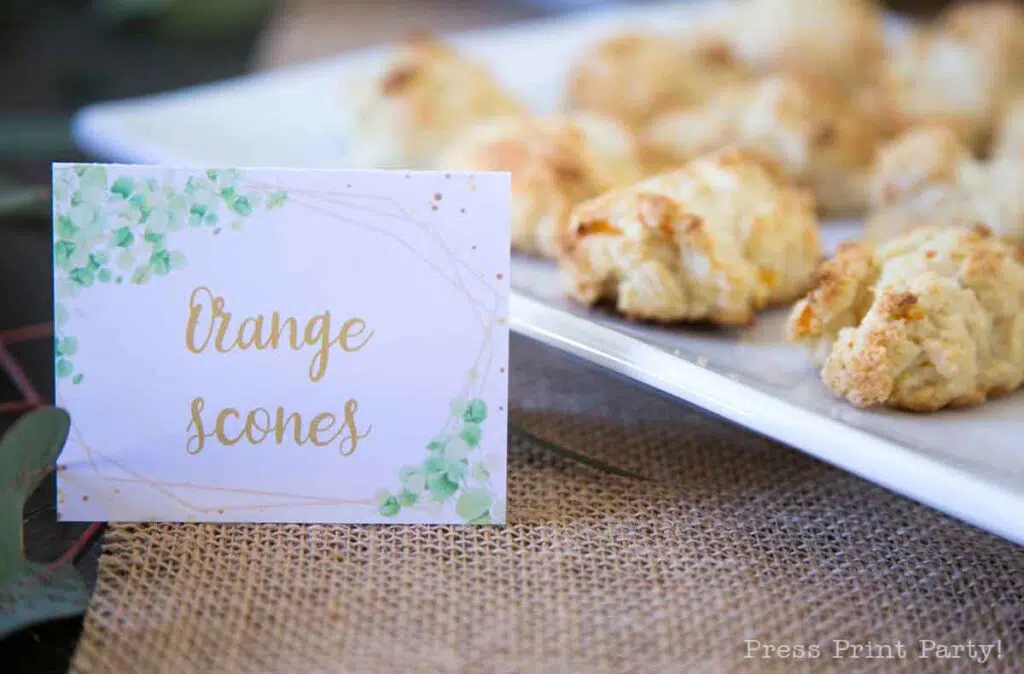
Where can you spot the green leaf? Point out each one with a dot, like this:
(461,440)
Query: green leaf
(31,593)
(65,228)
(161,262)
(178,260)
(156,239)
(479,472)
(456,470)
(456,449)
(64,368)
(390,507)
(60,314)
(437,444)
(276,200)
(228,194)
(142,274)
(83,276)
(123,237)
(210,219)
(123,187)
(241,206)
(476,411)
(440,487)
(104,275)
(470,433)
(483,519)
(67,346)
(211,174)
(435,465)
(27,451)
(198,209)
(139,202)
(473,503)
(62,252)
(93,177)
(77,379)
(407,498)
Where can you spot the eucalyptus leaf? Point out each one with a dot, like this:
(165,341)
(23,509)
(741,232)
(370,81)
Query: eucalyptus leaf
(31,593)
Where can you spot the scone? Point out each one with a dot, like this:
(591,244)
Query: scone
(803,123)
(426,95)
(928,177)
(715,241)
(555,164)
(840,40)
(961,71)
(634,76)
(932,319)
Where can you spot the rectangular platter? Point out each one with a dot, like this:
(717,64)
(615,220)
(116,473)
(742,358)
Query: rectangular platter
(967,463)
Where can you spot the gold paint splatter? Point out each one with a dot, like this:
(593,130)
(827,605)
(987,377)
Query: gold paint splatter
(433,207)
(437,196)
(501,321)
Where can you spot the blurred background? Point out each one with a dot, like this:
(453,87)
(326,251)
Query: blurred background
(58,55)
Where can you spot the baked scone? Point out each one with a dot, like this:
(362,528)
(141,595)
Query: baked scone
(425,97)
(636,75)
(932,319)
(840,40)
(803,123)
(555,164)
(929,177)
(961,70)
(715,241)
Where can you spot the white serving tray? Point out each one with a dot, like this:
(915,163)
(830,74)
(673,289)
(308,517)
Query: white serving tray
(967,463)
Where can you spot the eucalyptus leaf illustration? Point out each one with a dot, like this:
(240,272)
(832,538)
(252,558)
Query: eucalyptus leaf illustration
(31,593)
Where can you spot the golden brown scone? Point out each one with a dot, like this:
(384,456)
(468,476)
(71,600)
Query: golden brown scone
(426,95)
(996,27)
(933,319)
(636,75)
(840,40)
(928,177)
(555,164)
(803,123)
(724,236)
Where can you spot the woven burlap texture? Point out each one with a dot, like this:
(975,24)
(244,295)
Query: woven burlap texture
(717,536)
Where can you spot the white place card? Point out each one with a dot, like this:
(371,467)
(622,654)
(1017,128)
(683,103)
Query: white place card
(250,345)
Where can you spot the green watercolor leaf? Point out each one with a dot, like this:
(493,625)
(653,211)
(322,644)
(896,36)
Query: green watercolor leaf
(476,411)
(64,368)
(456,470)
(228,194)
(471,433)
(211,174)
(437,444)
(178,260)
(440,487)
(83,276)
(479,472)
(93,177)
(156,239)
(67,346)
(473,503)
(60,314)
(210,219)
(241,206)
(62,252)
(407,498)
(31,593)
(483,519)
(390,507)
(435,465)
(77,379)
(160,261)
(123,187)
(123,237)
(104,275)
(142,274)
(456,449)
(198,209)
(65,228)
(276,200)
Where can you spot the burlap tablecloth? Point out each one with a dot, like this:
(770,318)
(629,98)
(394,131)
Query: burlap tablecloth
(669,540)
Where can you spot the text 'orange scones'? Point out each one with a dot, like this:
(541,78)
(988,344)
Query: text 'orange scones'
(803,123)
(932,319)
(724,236)
(427,95)
(555,164)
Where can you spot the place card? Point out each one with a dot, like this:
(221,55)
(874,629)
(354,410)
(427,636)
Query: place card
(271,345)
